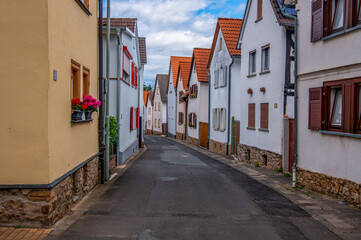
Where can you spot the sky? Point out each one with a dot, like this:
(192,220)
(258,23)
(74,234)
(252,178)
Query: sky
(174,27)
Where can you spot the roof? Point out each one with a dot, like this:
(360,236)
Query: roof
(200,56)
(230,28)
(142,50)
(145,97)
(290,9)
(184,69)
(122,22)
(174,62)
(162,80)
(150,95)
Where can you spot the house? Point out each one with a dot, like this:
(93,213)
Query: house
(125,87)
(145,108)
(182,93)
(329,99)
(197,126)
(172,94)
(160,104)
(266,78)
(49,161)
(223,66)
(149,105)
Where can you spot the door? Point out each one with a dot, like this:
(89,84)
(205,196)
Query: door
(291,145)
(236,132)
(203,134)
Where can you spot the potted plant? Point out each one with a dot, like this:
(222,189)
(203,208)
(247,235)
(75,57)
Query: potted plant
(91,106)
(76,106)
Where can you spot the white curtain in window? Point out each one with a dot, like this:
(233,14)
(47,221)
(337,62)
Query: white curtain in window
(337,109)
(337,13)
(218,118)
(223,119)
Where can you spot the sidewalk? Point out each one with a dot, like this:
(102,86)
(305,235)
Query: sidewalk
(337,216)
(11,233)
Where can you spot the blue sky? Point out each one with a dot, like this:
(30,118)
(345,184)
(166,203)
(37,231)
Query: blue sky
(174,27)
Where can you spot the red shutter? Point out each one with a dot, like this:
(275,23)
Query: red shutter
(315,108)
(131,118)
(317,20)
(347,107)
(251,115)
(133,73)
(137,117)
(259,9)
(195,120)
(264,115)
(136,76)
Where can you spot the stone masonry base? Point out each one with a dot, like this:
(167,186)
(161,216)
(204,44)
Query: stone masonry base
(180,136)
(193,141)
(44,207)
(219,147)
(264,158)
(342,189)
(157,132)
(150,132)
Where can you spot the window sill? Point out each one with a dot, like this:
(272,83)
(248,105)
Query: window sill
(264,72)
(341,32)
(341,134)
(259,19)
(80,121)
(251,128)
(252,75)
(86,10)
(263,130)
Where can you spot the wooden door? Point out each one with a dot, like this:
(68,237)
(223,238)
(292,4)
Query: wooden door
(236,132)
(203,134)
(291,145)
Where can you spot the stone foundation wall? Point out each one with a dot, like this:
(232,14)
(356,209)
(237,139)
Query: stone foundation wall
(44,207)
(157,133)
(150,132)
(193,141)
(252,155)
(219,147)
(112,161)
(342,189)
(180,136)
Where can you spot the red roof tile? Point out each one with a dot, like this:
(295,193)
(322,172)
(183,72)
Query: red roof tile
(122,22)
(185,69)
(280,18)
(200,56)
(230,28)
(174,61)
(145,97)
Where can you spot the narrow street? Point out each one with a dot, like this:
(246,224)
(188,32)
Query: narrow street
(174,192)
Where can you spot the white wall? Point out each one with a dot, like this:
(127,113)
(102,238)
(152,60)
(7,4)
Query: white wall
(149,114)
(219,96)
(164,113)
(203,93)
(193,105)
(274,35)
(236,95)
(172,105)
(157,109)
(181,106)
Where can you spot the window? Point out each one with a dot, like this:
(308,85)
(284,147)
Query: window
(222,76)
(252,63)
(86,3)
(159,107)
(137,118)
(75,80)
(157,91)
(216,78)
(127,57)
(220,44)
(86,81)
(158,123)
(259,10)
(194,91)
(180,96)
(192,120)
(333,16)
(265,58)
(222,125)
(251,115)
(180,118)
(336,106)
(219,119)
(264,115)
(194,66)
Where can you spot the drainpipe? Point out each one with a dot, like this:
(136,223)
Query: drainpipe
(101,95)
(139,68)
(209,106)
(107,139)
(294,167)
(229,103)
(119,72)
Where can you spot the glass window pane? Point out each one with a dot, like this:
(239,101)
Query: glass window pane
(336,114)
(337,13)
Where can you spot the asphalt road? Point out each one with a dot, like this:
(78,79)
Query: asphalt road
(174,192)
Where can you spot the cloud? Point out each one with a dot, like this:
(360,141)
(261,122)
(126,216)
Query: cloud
(241,8)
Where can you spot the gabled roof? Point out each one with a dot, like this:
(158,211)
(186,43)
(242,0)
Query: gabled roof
(230,28)
(122,22)
(184,70)
(161,80)
(143,50)
(151,97)
(145,97)
(200,57)
(174,62)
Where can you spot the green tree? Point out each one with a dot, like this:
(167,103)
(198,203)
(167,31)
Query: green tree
(147,88)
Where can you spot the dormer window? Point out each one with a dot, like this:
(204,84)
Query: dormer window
(220,44)
(194,66)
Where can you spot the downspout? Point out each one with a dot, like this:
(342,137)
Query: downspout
(294,167)
(229,103)
(107,139)
(209,106)
(119,64)
(101,95)
(138,78)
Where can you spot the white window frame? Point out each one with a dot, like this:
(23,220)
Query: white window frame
(252,62)
(216,78)
(263,60)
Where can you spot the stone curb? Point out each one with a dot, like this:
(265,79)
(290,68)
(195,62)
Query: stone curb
(322,208)
(76,212)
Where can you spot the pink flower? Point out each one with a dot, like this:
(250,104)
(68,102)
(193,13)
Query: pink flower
(98,103)
(90,104)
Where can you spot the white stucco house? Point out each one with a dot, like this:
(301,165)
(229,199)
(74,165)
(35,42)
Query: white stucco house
(329,91)
(125,91)
(172,94)
(266,41)
(160,104)
(182,99)
(149,104)
(143,62)
(197,126)
(224,68)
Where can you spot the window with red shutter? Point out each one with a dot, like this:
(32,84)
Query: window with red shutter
(133,73)
(136,77)
(137,118)
(264,115)
(315,108)
(317,20)
(131,118)
(251,115)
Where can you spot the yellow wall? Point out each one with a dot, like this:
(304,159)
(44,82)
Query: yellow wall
(72,35)
(38,143)
(24,78)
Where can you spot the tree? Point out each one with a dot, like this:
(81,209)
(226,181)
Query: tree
(147,88)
